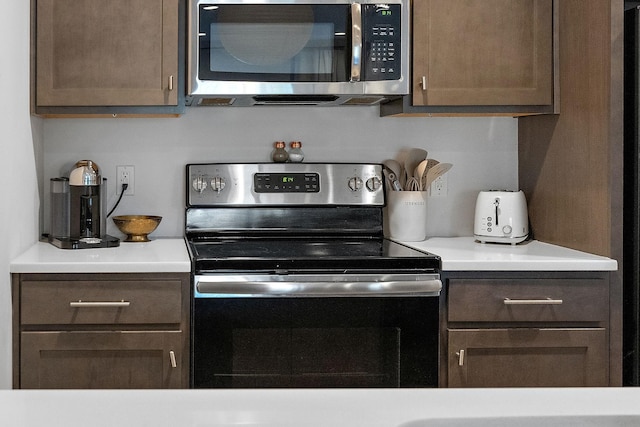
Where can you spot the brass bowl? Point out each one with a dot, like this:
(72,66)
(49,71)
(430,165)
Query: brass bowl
(137,227)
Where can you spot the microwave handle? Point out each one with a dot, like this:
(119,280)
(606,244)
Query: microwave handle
(356,41)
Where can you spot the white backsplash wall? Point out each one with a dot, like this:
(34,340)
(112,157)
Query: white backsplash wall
(482,150)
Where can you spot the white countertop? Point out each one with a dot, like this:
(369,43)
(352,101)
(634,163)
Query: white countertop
(466,254)
(156,256)
(323,407)
(170,255)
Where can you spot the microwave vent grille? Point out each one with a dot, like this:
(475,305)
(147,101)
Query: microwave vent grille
(368,100)
(294,99)
(216,101)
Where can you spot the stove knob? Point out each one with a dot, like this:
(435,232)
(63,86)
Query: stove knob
(218,184)
(373,184)
(355,183)
(199,184)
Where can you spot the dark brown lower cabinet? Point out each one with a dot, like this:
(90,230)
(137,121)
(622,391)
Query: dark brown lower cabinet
(528,357)
(106,331)
(527,329)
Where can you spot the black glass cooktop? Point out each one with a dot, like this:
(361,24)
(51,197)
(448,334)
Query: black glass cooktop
(308,253)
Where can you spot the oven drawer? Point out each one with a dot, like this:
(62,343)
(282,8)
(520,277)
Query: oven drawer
(95,302)
(528,300)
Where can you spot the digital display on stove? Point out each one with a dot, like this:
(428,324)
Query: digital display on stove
(307,182)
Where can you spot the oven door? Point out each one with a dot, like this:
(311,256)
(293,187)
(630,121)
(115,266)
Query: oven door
(304,335)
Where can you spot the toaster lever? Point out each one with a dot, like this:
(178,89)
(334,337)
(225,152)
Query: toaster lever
(496,203)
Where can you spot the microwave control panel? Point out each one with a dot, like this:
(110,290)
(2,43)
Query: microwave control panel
(382,23)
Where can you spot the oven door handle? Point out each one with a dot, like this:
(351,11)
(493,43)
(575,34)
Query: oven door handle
(391,288)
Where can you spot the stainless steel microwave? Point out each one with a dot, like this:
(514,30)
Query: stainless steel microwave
(311,52)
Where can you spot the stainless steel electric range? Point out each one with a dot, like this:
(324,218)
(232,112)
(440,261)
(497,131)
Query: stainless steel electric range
(294,284)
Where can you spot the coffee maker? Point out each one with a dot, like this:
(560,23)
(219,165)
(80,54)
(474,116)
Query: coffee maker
(78,209)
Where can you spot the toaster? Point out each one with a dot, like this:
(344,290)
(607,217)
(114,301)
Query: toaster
(501,217)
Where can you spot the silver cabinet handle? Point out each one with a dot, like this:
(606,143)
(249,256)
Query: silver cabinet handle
(547,301)
(172,357)
(356,42)
(460,355)
(423,83)
(171,82)
(80,303)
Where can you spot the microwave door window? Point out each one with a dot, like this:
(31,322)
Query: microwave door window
(289,50)
(252,43)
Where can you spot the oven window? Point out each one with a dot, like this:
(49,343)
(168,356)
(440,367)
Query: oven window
(315,342)
(314,357)
(269,43)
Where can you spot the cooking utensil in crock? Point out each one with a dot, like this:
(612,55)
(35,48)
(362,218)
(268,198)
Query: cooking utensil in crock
(423,179)
(413,159)
(419,171)
(396,168)
(437,171)
(412,184)
(392,180)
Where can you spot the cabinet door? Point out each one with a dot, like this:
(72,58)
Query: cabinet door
(482,52)
(105,360)
(528,357)
(106,53)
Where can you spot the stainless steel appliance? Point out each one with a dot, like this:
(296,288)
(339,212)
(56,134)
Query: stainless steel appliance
(295,285)
(80,201)
(307,52)
(501,217)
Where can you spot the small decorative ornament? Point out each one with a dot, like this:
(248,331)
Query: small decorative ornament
(279,154)
(295,154)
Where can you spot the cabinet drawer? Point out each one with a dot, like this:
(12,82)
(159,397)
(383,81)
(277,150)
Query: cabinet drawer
(528,300)
(101,302)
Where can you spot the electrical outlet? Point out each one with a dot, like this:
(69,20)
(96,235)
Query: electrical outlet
(439,187)
(125,175)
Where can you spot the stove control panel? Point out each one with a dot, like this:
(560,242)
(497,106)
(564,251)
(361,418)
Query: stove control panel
(306,182)
(273,184)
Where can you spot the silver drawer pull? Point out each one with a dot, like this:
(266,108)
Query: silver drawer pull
(172,357)
(547,301)
(460,355)
(80,303)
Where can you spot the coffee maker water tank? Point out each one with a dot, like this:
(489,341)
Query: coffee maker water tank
(59,214)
